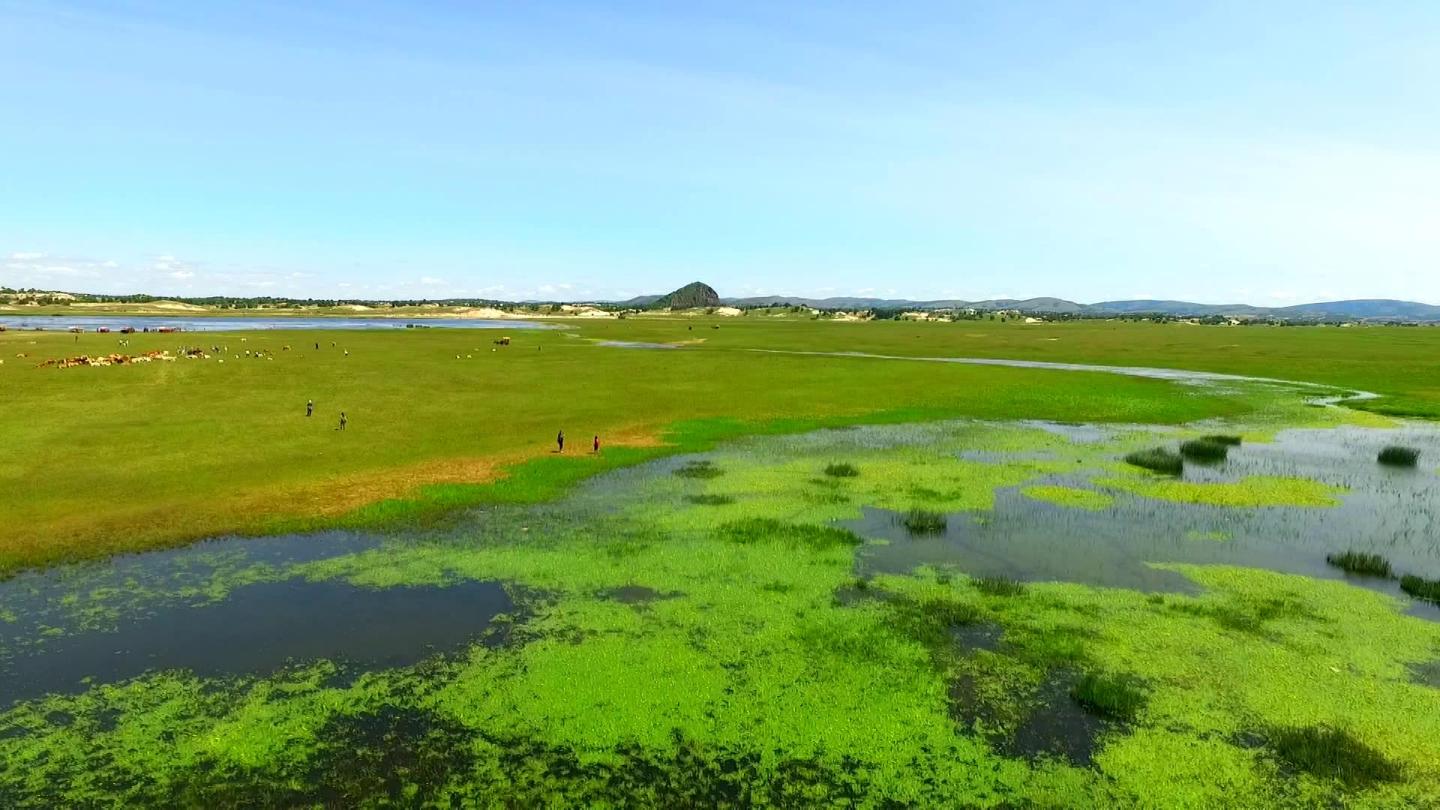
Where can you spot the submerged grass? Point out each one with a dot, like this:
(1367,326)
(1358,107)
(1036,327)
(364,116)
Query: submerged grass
(710,500)
(1204,450)
(1158,460)
(932,620)
(1421,588)
(1396,456)
(1332,753)
(1359,562)
(702,469)
(1228,440)
(924,521)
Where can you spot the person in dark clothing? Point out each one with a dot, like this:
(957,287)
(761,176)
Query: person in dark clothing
(560,441)
(595,448)
(343,420)
(310,408)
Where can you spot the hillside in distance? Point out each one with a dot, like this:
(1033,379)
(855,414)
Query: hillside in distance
(1357,310)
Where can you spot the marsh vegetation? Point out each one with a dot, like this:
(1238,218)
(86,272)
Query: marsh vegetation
(1396,456)
(1205,451)
(924,521)
(1158,460)
(1359,562)
(1115,698)
(760,622)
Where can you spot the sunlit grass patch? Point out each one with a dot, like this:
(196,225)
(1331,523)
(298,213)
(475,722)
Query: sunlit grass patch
(1109,696)
(1158,460)
(1359,562)
(1252,492)
(1421,588)
(1332,753)
(924,521)
(841,470)
(1396,456)
(1069,496)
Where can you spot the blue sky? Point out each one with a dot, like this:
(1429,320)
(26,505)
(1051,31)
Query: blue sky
(1270,153)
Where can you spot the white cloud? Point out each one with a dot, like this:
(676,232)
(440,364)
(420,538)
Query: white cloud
(23,257)
(431,281)
(182,274)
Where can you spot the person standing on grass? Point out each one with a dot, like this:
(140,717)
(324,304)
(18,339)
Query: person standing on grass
(310,407)
(560,441)
(343,420)
(595,447)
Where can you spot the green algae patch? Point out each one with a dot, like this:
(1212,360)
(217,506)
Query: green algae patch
(1252,492)
(1072,497)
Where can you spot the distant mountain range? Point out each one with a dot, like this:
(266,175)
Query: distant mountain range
(1356,310)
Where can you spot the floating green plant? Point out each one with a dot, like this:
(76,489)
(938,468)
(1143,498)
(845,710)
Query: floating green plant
(1255,491)
(1069,496)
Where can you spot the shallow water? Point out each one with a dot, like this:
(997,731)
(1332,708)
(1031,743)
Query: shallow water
(160,611)
(1395,513)
(61,323)
(634,344)
(258,629)
(1168,374)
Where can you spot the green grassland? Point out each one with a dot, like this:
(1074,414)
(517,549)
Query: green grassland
(101,460)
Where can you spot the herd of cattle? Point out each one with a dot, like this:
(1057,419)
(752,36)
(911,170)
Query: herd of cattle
(118,359)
